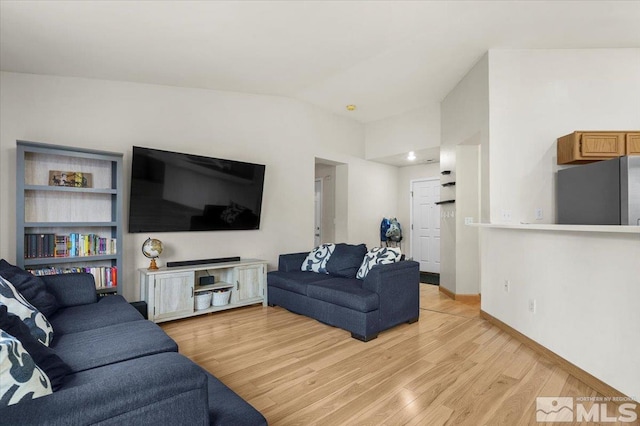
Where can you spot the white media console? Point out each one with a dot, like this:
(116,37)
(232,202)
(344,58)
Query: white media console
(170,293)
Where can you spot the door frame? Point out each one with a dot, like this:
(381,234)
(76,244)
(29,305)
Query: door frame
(411,182)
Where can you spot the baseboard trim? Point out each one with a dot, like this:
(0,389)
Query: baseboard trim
(447,292)
(580,374)
(464,298)
(468,298)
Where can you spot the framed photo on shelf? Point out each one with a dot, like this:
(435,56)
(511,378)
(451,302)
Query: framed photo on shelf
(70,179)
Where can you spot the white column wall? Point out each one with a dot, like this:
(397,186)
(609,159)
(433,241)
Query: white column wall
(465,120)
(467,190)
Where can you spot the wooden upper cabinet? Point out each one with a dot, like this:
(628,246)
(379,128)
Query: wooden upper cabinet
(633,143)
(582,147)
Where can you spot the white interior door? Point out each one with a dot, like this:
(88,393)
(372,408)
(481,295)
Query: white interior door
(317,232)
(425,230)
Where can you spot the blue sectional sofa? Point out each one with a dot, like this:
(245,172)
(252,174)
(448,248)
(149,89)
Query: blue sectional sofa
(387,296)
(122,369)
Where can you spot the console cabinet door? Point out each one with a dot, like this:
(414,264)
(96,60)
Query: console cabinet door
(173,295)
(249,282)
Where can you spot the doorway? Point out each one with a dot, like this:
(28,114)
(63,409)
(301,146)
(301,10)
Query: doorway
(331,211)
(425,224)
(317,230)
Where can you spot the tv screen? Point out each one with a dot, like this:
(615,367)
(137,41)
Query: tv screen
(174,192)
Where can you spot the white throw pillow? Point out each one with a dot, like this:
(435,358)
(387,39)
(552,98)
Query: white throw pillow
(20,377)
(316,261)
(18,305)
(378,256)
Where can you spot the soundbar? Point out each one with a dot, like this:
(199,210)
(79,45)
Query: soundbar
(203,261)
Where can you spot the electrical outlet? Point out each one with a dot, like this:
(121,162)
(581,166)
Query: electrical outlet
(507,286)
(532,306)
(506,215)
(468,220)
(539,215)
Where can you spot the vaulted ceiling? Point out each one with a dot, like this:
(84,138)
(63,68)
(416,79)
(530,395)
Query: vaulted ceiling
(386,57)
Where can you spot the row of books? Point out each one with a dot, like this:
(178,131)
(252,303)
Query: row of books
(104,276)
(72,245)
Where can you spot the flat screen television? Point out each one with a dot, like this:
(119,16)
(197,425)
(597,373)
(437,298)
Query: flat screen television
(175,192)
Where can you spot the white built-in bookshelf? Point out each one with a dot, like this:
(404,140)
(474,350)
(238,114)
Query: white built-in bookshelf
(66,221)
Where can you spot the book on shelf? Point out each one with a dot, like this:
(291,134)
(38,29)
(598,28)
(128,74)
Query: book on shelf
(72,245)
(103,276)
(39,245)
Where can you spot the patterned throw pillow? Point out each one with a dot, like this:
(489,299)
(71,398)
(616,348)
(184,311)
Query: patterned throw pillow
(44,357)
(316,261)
(20,377)
(17,305)
(378,256)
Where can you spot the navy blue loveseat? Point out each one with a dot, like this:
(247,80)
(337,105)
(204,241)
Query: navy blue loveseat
(389,294)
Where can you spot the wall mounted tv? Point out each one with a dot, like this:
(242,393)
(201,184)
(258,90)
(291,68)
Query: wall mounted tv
(174,192)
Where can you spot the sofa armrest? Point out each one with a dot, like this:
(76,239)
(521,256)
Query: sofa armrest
(398,287)
(165,388)
(72,289)
(291,261)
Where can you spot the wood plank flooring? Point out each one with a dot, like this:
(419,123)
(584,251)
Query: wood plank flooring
(451,367)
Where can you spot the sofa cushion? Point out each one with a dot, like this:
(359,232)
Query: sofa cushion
(317,259)
(107,311)
(378,256)
(119,342)
(44,357)
(295,281)
(16,304)
(20,378)
(162,389)
(344,292)
(346,259)
(31,287)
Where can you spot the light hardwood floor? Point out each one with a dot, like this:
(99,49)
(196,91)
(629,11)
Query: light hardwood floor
(451,367)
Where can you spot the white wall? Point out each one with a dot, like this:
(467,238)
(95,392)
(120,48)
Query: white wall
(586,285)
(415,130)
(539,95)
(284,134)
(465,121)
(373,185)
(412,131)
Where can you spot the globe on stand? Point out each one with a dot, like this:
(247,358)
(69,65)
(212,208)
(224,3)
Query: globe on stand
(151,249)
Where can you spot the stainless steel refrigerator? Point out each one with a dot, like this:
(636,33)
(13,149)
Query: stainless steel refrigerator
(601,193)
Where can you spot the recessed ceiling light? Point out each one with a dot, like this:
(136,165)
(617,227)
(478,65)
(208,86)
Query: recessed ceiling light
(411,156)
(351,107)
